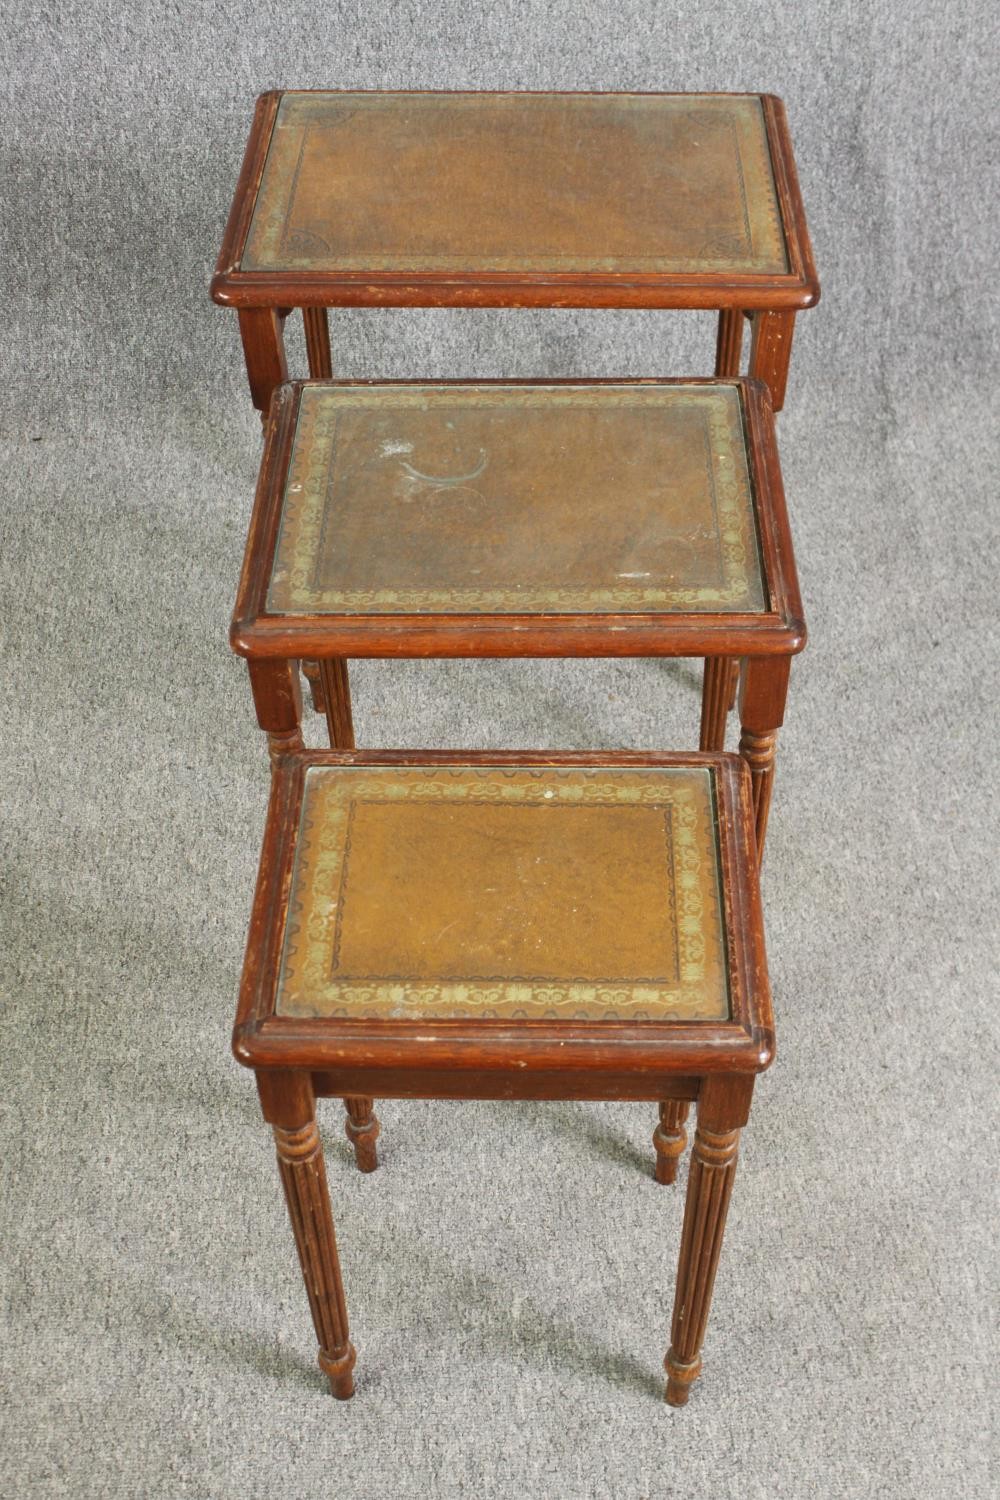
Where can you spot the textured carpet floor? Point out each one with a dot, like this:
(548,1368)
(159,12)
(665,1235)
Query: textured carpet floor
(510,1269)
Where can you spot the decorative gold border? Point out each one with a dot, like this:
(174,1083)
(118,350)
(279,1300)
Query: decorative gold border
(267,247)
(309,488)
(306,986)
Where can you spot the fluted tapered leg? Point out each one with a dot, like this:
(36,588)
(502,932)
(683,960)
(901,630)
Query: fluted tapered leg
(303,1177)
(362,1129)
(760,751)
(710,1184)
(714,703)
(337,696)
(670,1138)
(317,331)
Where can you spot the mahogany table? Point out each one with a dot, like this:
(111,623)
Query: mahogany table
(600,518)
(350,199)
(508,926)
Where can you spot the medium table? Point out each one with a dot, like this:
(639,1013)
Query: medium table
(505,519)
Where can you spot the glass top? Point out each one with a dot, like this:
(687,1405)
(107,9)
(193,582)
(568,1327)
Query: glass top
(505,499)
(477,182)
(543,893)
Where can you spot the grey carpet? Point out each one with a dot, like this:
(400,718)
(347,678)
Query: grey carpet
(509,1269)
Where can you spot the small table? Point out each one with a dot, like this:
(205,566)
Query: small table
(508,926)
(350,199)
(599,518)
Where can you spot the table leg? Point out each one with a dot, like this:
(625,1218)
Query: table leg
(670,1138)
(762,711)
(277,699)
(290,1109)
(317,330)
(722,1110)
(362,1128)
(770,351)
(264,351)
(729,343)
(715,694)
(337,700)
(728,354)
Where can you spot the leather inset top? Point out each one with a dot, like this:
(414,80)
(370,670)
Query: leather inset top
(577,183)
(518,500)
(572,893)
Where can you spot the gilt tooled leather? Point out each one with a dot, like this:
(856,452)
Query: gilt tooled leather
(505,892)
(491,182)
(517,500)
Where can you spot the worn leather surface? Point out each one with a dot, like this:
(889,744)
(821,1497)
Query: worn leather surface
(478,182)
(478,499)
(565,893)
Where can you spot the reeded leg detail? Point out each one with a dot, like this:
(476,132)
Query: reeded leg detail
(337,695)
(729,343)
(670,1138)
(303,1177)
(710,1184)
(759,751)
(317,331)
(362,1128)
(714,703)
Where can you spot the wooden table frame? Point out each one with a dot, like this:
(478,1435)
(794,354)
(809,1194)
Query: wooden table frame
(264,298)
(765,643)
(674,1063)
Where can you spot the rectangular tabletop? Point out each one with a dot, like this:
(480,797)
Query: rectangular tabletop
(439,197)
(395,513)
(507,913)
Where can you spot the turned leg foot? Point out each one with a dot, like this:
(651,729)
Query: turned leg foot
(710,1184)
(362,1129)
(303,1177)
(670,1138)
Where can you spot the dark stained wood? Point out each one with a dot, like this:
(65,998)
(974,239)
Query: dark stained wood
(723,1107)
(286,1099)
(670,1139)
(771,351)
(264,351)
(362,1128)
(762,711)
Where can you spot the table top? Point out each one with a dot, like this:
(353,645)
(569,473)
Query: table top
(500,889)
(389,511)
(375,197)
